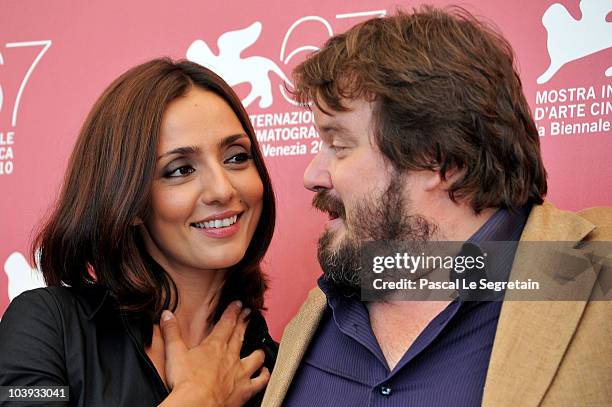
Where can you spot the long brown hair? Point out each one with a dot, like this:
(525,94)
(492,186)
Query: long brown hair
(447,97)
(107,186)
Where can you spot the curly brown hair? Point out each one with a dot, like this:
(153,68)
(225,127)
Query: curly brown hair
(447,97)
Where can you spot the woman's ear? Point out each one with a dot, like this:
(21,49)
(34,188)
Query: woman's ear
(137,221)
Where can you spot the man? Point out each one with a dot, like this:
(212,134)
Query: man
(427,136)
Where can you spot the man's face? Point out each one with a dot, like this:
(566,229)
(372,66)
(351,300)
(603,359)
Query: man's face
(365,197)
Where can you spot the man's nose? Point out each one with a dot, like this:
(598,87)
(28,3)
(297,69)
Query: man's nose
(317,176)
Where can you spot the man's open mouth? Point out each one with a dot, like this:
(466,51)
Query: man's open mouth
(333,215)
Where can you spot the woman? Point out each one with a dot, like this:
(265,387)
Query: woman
(166,205)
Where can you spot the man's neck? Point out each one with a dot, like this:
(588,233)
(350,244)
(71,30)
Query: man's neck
(459,222)
(397,324)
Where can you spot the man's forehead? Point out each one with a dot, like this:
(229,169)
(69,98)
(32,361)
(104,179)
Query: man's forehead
(334,125)
(354,124)
(325,117)
(330,123)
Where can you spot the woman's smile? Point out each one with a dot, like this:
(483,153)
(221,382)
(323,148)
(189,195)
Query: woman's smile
(220,225)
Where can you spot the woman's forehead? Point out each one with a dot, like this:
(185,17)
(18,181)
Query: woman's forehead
(198,118)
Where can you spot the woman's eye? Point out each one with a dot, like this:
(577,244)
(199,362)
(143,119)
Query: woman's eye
(180,171)
(238,158)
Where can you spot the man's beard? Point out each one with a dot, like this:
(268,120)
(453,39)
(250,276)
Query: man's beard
(383,218)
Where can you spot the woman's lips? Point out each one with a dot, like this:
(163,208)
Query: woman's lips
(222,232)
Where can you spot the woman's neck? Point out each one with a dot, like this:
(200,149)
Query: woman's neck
(198,293)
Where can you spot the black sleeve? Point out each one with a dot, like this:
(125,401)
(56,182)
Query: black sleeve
(258,337)
(32,344)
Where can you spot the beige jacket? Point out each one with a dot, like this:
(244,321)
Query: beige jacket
(548,353)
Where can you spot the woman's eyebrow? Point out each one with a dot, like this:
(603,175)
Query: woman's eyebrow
(187,150)
(227,141)
(194,150)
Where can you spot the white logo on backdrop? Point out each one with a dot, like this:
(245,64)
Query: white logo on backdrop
(234,69)
(1,92)
(7,135)
(255,70)
(570,39)
(21,277)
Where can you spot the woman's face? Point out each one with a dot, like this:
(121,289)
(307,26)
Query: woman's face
(206,196)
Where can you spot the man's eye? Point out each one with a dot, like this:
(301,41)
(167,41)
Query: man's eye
(239,158)
(180,171)
(337,149)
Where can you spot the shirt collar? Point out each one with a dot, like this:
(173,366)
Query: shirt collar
(503,225)
(92,298)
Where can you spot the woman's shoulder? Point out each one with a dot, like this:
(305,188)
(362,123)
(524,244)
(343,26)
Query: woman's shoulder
(32,338)
(45,300)
(45,294)
(55,302)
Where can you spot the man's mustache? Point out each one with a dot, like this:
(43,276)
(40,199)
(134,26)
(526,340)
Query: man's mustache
(326,202)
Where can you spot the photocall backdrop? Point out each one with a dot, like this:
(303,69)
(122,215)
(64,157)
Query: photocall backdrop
(57,57)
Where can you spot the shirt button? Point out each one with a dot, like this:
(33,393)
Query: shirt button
(385,391)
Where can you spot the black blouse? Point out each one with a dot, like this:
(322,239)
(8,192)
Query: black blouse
(58,336)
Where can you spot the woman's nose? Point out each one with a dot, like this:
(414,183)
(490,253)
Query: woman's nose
(216,186)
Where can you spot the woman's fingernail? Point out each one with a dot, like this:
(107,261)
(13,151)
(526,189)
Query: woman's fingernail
(246,312)
(239,304)
(166,315)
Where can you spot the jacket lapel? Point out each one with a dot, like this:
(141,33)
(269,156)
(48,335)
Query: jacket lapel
(532,336)
(295,341)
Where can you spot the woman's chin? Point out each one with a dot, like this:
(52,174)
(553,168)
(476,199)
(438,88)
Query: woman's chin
(221,260)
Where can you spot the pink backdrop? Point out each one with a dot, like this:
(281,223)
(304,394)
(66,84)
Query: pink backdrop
(56,58)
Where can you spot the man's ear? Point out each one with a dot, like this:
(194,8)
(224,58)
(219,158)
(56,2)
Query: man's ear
(449,178)
(431,180)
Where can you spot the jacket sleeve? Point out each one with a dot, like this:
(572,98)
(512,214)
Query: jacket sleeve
(32,344)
